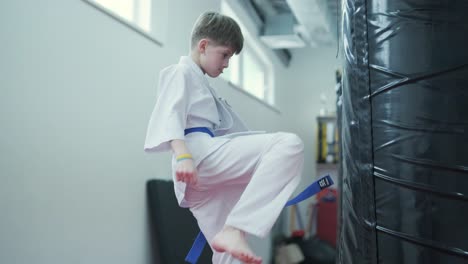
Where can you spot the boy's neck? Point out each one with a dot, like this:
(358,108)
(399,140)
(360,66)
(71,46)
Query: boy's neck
(196,58)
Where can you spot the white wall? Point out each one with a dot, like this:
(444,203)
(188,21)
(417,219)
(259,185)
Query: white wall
(77,89)
(311,73)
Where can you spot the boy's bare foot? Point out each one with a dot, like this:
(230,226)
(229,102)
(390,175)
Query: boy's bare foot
(232,241)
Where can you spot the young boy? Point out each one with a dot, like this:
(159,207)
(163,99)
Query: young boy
(234,181)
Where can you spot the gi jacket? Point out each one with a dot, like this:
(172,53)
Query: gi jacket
(186,100)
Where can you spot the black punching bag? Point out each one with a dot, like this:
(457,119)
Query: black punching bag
(404,131)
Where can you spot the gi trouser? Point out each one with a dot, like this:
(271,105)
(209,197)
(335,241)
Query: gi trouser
(245,184)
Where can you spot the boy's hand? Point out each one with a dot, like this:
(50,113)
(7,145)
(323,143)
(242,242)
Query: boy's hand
(186,172)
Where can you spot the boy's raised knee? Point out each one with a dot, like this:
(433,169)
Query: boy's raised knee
(292,140)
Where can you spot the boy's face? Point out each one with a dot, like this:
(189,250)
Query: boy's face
(214,58)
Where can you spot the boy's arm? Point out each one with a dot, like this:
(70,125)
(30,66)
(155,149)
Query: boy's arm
(185,169)
(179,147)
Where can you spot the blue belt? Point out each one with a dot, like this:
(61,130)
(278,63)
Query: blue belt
(311,190)
(198,129)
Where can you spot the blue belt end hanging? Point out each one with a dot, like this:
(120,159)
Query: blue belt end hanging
(311,190)
(197,249)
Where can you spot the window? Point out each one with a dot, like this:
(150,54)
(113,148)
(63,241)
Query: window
(250,70)
(134,11)
(254,74)
(146,17)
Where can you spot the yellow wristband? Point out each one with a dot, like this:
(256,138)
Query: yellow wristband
(183,157)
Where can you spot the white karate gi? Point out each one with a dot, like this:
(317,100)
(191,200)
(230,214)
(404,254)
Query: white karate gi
(244,177)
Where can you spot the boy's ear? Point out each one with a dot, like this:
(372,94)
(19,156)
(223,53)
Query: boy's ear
(202,45)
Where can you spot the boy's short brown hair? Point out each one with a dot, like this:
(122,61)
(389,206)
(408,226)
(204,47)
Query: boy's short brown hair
(219,28)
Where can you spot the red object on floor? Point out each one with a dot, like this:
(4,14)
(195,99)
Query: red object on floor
(327,215)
